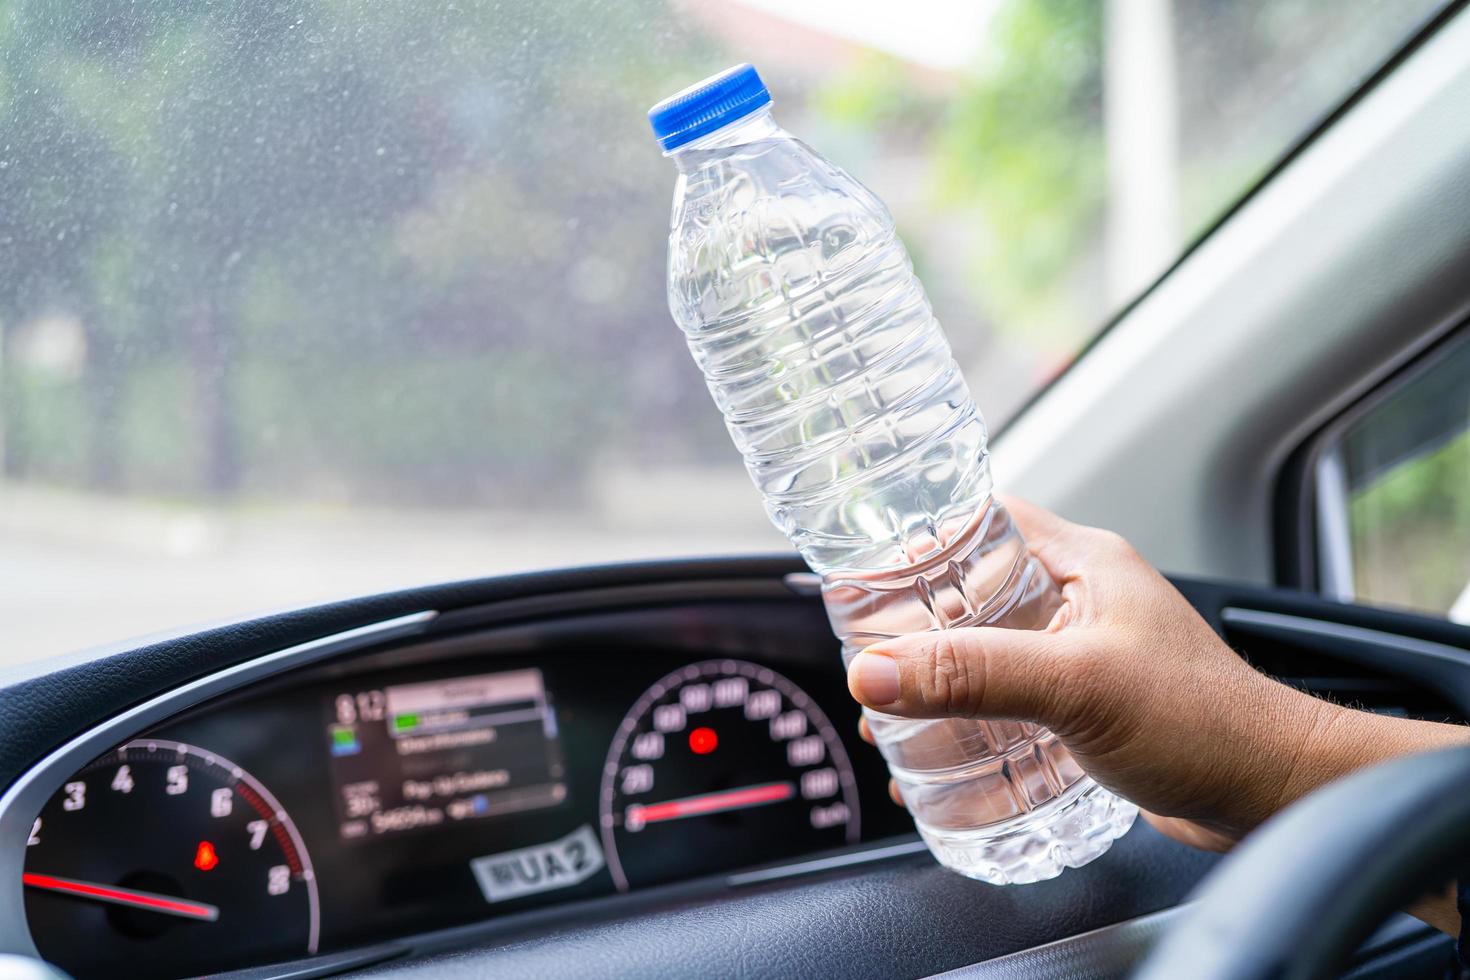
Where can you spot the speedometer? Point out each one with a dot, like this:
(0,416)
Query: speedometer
(721,764)
(164,859)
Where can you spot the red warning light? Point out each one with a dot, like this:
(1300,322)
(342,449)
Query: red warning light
(702,741)
(204,856)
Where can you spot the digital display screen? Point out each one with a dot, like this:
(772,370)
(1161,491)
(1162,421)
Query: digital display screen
(413,756)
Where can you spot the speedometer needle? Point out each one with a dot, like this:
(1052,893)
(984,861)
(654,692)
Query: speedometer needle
(640,814)
(124,896)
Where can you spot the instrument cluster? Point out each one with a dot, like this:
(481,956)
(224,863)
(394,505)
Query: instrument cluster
(348,802)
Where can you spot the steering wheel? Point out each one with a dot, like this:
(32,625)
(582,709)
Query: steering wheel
(1298,897)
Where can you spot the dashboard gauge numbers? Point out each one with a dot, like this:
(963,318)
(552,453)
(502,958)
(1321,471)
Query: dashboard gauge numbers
(169,856)
(720,764)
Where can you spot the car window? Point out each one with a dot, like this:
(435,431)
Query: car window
(1402,471)
(307,298)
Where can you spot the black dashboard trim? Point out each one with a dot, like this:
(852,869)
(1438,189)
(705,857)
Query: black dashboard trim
(646,596)
(845,859)
(324,965)
(1438,666)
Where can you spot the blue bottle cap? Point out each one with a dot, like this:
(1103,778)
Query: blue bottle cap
(704,107)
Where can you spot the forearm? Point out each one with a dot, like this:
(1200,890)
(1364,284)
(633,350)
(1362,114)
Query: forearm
(1439,910)
(1352,740)
(1341,740)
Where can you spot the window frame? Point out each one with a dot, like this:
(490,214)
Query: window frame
(1312,534)
(1418,37)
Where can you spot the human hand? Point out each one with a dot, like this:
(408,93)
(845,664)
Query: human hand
(1149,700)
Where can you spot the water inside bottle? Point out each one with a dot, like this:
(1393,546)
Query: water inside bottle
(800,306)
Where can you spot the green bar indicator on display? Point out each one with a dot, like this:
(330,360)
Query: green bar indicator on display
(403,723)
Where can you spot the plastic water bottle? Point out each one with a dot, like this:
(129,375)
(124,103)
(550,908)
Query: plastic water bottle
(838,386)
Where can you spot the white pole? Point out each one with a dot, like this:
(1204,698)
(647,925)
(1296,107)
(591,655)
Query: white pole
(1140,112)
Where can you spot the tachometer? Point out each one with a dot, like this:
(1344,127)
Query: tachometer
(164,859)
(720,764)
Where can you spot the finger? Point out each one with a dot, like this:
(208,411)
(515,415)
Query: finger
(974,672)
(1058,543)
(865,732)
(1189,832)
(1035,523)
(894,793)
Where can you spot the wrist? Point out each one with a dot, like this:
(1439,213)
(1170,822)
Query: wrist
(1272,745)
(1301,747)
(1330,744)
(1301,743)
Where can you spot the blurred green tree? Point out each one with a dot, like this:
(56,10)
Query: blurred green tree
(228,197)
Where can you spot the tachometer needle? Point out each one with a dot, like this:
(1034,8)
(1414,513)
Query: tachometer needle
(641,814)
(124,896)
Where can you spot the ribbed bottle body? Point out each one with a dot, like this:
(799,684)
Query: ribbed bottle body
(818,344)
(839,388)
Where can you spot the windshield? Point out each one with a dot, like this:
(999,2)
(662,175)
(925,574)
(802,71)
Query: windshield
(311,298)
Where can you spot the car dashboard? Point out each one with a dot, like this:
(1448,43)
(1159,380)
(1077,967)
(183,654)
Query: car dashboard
(647,770)
(482,765)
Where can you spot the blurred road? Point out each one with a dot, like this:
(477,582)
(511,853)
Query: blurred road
(78,571)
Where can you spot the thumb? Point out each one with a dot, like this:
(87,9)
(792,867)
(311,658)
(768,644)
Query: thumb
(978,672)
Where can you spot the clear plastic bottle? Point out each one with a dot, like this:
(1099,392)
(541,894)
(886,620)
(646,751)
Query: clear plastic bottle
(837,384)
